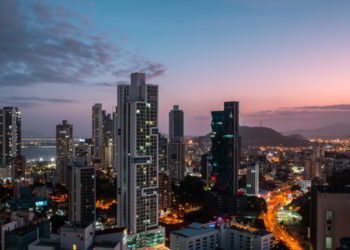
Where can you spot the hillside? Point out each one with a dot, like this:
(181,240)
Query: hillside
(329,132)
(256,136)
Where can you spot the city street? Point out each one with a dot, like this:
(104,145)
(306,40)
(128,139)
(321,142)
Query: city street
(277,200)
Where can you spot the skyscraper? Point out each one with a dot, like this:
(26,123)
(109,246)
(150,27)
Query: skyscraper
(81,192)
(107,148)
(102,125)
(97,134)
(64,149)
(252,179)
(176,153)
(10,138)
(226,154)
(163,153)
(137,163)
(176,124)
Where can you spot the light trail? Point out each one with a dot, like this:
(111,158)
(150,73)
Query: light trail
(277,200)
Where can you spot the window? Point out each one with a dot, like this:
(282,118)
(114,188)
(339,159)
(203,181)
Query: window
(329,243)
(329,216)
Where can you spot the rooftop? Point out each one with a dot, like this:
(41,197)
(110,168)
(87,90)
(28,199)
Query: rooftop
(192,232)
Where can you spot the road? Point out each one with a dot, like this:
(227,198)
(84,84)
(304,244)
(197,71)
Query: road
(278,199)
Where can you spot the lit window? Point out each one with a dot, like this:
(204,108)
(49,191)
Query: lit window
(329,243)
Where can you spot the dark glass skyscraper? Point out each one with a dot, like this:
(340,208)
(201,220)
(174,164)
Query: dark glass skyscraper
(226,153)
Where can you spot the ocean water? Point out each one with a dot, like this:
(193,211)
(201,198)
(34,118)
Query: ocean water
(36,153)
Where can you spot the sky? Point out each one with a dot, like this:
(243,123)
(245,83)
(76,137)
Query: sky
(286,61)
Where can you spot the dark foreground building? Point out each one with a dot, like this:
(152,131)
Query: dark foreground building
(226,154)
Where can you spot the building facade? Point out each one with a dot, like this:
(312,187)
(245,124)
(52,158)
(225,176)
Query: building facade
(330,210)
(10,138)
(220,235)
(97,134)
(163,153)
(165,191)
(252,180)
(81,185)
(137,162)
(176,148)
(226,154)
(64,149)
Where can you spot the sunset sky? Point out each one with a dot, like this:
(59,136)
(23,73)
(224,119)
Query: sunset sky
(286,61)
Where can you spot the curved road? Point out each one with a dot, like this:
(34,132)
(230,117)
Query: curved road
(277,200)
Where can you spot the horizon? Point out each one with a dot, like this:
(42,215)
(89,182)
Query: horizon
(284,62)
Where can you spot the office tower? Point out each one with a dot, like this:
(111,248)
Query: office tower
(107,150)
(137,164)
(97,134)
(226,153)
(176,124)
(165,192)
(176,153)
(84,150)
(10,138)
(252,180)
(64,149)
(81,193)
(330,213)
(163,153)
(102,125)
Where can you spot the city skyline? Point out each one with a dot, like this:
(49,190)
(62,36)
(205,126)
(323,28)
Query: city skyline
(279,60)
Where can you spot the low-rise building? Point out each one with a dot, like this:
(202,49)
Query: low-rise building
(223,236)
(196,236)
(82,237)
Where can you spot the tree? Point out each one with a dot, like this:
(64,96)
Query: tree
(191,190)
(295,187)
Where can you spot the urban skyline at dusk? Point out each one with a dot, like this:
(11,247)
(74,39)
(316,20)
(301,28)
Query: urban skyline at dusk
(174,125)
(285,62)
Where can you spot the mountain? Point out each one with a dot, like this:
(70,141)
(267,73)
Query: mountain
(257,136)
(334,131)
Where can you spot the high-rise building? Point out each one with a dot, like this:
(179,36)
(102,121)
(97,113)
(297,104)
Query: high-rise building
(163,153)
(64,149)
(81,193)
(176,124)
(102,126)
(165,192)
(176,149)
(84,150)
(226,154)
(10,138)
(252,179)
(137,164)
(114,139)
(97,134)
(107,150)
(330,210)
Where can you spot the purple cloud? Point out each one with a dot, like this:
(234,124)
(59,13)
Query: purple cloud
(40,43)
